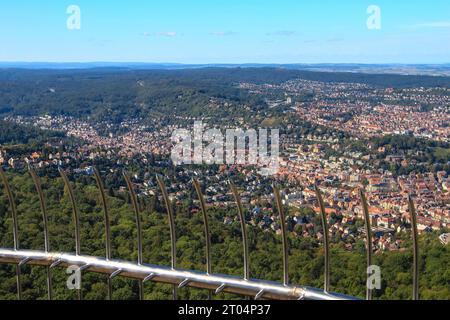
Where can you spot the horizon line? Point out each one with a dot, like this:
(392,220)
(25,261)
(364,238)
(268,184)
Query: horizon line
(230,63)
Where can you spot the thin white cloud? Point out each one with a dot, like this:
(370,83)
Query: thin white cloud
(160,34)
(335,40)
(224,33)
(167,34)
(285,33)
(434,24)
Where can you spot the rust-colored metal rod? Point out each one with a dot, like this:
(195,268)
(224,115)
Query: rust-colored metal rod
(38,187)
(76,219)
(101,188)
(326,241)
(170,214)
(201,199)
(12,204)
(138,226)
(415,238)
(368,240)
(276,192)
(237,199)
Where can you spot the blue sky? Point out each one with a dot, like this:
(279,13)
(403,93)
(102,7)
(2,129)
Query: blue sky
(226,31)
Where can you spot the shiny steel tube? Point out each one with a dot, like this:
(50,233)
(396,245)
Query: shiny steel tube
(138,226)
(173,238)
(200,280)
(12,204)
(282,217)
(201,199)
(38,187)
(237,199)
(326,241)
(415,238)
(368,240)
(76,219)
(101,188)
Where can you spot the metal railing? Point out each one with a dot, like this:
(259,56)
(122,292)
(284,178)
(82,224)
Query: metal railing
(214,283)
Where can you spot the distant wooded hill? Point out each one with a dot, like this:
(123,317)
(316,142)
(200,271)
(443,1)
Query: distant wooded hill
(116,92)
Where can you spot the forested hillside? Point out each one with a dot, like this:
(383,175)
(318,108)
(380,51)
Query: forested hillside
(12,133)
(305,254)
(123,93)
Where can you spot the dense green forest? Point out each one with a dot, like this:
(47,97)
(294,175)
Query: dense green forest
(123,93)
(305,254)
(423,155)
(12,133)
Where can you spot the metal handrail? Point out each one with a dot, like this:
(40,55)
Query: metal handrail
(230,284)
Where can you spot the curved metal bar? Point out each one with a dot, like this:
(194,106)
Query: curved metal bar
(260,294)
(221,288)
(150,277)
(56,263)
(415,238)
(138,226)
(184,283)
(101,188)
(37,185)
(368,240)
(326,241)
(173,238)
(237,199)
(24,261)
(76,218)
(276,192)
(115,273)
(201,199)
(12,204)
(200,280)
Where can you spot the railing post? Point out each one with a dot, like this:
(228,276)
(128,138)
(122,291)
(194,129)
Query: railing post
(171,217)
(415,238)
(76,219)
(101,188)
(282,218)
(12,204)
(368,240)
(326,241)
(138,226)
(201,199)
(237,199)
(37,185)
